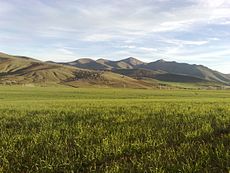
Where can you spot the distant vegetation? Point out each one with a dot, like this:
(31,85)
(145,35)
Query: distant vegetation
(113,130)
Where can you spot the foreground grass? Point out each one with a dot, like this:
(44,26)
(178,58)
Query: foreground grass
(113,130)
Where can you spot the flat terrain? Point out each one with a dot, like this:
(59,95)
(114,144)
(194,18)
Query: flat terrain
(57,129)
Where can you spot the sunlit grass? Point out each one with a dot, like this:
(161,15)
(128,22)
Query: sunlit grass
(113,130)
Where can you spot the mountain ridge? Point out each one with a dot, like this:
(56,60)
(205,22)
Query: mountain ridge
(171,67)
(17,70)
(102,72)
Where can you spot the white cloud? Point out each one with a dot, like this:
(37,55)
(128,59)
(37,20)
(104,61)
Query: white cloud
(213,3)
(186,42)
(149,49)
(98,37)
(65,51)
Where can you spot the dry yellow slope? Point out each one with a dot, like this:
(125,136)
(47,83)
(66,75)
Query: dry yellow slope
(112,80)
(21,70)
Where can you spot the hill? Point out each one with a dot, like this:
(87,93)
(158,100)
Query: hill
(23,70)
(130,73)
(198,71)
(20,70)
(104,64)
(86,63)
(159,75)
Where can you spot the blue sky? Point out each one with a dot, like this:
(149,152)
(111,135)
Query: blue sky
(193,31)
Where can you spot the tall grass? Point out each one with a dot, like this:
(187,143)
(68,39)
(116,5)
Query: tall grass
(100,130)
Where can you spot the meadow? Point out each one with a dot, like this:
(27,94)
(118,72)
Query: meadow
(60,129)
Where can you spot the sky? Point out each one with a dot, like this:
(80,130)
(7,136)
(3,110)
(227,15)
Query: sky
(191,31)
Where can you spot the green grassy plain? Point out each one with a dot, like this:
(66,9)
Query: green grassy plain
(57,129)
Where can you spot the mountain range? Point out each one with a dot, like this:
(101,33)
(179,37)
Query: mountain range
(129,72)
(159,69)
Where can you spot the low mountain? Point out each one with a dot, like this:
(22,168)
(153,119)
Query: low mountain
(20,71)
(87,63)
(133,61)
(197,71)
(128,63)
(103,64)
(175,71)
(158,75)
(128,72)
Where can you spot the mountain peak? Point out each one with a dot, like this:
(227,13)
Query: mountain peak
(132,61)
(84,60)
(102,60)
(29,70)
(161,61)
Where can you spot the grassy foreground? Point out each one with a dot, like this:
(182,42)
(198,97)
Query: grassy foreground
(113,130)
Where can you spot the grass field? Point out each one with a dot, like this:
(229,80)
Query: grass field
(114,130)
